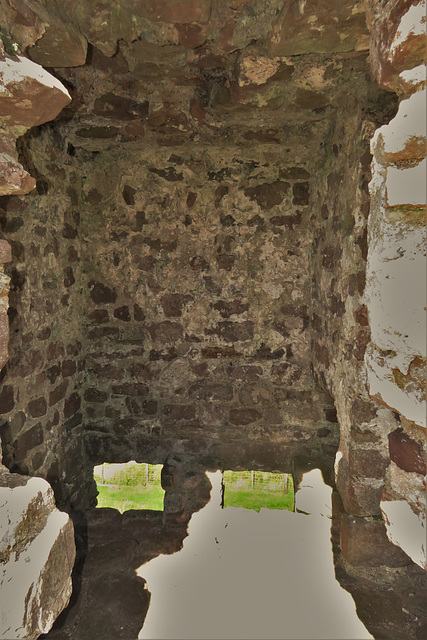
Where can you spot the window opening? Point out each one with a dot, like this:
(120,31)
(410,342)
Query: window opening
(129,485)
(258,489)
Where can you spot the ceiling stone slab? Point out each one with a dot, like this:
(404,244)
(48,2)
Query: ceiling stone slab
(62,45)
(315,26)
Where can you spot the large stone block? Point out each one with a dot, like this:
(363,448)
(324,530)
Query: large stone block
(29,95)
(37,554)
(319,27)
(364,543)
(61,45)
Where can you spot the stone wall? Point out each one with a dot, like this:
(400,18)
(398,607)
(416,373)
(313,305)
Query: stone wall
(199,299)
(43,377)
(197,178)
(340,321)
(36,540)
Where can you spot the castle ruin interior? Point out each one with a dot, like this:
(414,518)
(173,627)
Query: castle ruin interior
(212,239)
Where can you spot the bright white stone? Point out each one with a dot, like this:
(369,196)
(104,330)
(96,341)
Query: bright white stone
(21,577)
(13,71)
(412,23)
(407,186)
(381,382)
(396,290)
(406,529)
(414,76)
(409,121)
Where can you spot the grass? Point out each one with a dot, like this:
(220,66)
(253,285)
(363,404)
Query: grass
(136,486)
(125,498)
(261,490)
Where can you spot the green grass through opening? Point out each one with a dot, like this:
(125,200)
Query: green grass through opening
(258,489)
(129,486)
(137,486)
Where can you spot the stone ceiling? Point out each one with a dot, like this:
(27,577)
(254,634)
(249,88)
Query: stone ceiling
(263,71)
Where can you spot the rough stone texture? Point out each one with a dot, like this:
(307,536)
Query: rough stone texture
(398,41)
(396,277)
(36,554)
(189,276)
(339,322)
(181,361)
(36,541)
(319,27)
(29,95)
(47,360)
(389,589)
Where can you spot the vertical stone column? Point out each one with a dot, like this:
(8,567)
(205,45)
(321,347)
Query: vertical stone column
(187,489)
(36,540)
(396,273)
(5,256)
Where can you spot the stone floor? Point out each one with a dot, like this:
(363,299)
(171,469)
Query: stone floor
(111,601)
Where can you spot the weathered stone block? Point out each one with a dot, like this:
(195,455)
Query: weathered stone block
(100,293)
(137,407)
(343,28)
(294,173)
(244,416)
(220,352)
(367,463)
(179,411)
(27,441)
(33,96)
(58,393)
(166,331)
(68,368)
(286,374)
(72,405)
(268,195)
(53,373)
(364,543)
(104,332)
(122,313)
(233,331)
(37,553)
(136,389)
(61,45)
(203,390)
(229,308)
(93,394)
(173,304)
(7,401)
(301,193)
(360,497)
(245,372)
(406,453)
(37,407)
(14,180)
